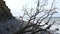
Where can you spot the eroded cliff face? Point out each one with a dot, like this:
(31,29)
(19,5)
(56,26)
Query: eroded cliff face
(4,11)
(8,24)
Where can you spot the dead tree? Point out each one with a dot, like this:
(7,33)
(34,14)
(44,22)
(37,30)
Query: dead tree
(33,24)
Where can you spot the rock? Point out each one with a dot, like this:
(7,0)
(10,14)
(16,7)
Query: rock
(10,26)
(4,11)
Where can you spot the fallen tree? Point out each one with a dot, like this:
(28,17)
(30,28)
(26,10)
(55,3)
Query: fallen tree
(33,24)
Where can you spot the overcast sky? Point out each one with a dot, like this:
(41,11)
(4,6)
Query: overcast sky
(16,6)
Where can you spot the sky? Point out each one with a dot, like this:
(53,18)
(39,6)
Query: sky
(16,6)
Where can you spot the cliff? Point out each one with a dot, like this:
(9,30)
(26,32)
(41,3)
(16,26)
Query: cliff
(4,11)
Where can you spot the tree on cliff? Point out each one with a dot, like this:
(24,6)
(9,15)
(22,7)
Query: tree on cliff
(34,24)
